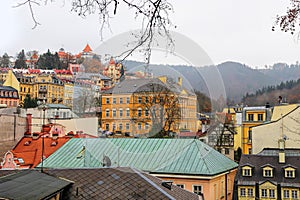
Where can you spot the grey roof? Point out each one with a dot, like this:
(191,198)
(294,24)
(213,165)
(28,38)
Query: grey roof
(7,88)
(88,76)
(30,184)
(55,106)
(275,151)
(118,183)
(269,157)
(129,86)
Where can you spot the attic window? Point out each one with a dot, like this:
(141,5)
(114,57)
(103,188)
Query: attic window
(267,172)
(247,171)
(289,172)
(27,143)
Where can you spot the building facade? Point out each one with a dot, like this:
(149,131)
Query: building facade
(271,174)
(9,96)
(252,116)
(134,106)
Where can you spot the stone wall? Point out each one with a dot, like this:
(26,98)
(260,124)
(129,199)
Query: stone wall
(12,127)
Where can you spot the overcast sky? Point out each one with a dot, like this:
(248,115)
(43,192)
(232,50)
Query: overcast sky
(228,30)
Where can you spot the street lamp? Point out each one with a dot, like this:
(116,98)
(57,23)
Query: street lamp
(42,106)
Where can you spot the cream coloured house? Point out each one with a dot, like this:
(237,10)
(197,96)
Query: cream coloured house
(284,124)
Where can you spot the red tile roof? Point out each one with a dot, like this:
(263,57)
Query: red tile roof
(87,49)
(111,61)
(30,150)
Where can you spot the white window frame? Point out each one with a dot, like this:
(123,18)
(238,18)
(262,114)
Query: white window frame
(295,194)
(264,193)
(242,192)
(196,190)
(272,194)
(248,192)
(107,112)
(286,194)
(114,112)
(127,126)
(140,112)
(147,126)
(121,112)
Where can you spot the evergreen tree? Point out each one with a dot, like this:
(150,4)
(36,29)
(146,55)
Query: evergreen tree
(20,62)
(29,102)
(4,60)
(49,61)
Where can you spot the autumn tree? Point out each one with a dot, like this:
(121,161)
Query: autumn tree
(290,21)
(161,107)
(203,102)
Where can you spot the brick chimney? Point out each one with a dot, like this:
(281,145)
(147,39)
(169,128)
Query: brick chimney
(28,125)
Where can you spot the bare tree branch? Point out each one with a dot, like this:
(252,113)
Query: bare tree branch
(154,14)
(30,3)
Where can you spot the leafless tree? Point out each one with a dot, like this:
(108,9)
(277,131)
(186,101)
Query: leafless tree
(162,105)
(154,15)
(84,100)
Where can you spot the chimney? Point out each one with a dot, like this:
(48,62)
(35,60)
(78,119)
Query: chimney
(281,154)
(28,124)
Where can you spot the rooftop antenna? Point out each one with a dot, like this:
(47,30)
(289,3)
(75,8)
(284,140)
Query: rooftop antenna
(106,162)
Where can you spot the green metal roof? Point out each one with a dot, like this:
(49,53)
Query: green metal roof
(174,156)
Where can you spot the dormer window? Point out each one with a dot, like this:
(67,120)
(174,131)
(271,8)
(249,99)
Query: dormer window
(247,171)
(289,172)
(268,172)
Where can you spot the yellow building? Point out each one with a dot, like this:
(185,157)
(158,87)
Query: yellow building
(252,116)
(48,87)
(134,106)
(68,93)
(11,80)
(114,71)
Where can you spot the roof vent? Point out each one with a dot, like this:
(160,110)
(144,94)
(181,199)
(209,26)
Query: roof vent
(27,143)
(167,184)
(54,143)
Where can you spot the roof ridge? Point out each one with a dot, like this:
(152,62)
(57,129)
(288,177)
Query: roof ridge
(152,183)
(201,156)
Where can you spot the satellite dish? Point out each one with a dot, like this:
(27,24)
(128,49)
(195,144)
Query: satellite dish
(106,162)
